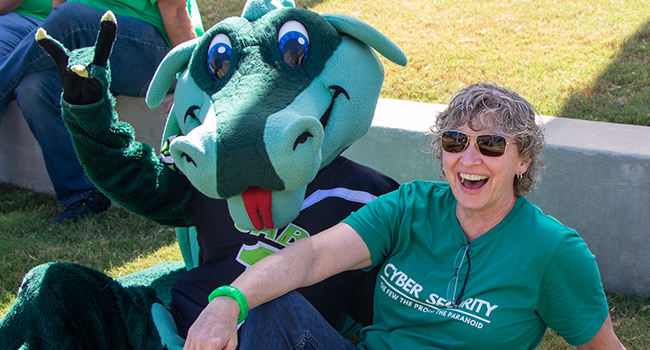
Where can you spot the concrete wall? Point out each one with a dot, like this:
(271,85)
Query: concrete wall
(595,180)
(21,161)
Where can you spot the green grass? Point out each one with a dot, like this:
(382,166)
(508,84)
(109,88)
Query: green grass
(116,242)
(584,59)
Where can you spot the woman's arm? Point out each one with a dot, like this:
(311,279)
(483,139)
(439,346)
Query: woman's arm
(303,263)
(176,20)
(605,339)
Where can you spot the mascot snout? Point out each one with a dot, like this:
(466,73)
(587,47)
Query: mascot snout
(195,156)
(293,142)
(287,155)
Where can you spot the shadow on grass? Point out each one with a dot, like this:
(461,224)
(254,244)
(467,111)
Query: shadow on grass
(103,242)
(214,11)
(621,94)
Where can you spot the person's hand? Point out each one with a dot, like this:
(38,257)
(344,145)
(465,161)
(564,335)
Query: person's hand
(169,105)
(216,326)
(81,80)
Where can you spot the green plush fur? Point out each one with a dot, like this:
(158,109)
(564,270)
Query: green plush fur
(130,172)
(69,306)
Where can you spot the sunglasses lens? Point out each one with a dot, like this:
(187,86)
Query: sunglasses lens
(491,145)
(453,141)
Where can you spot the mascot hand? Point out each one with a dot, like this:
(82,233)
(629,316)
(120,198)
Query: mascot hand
(84,72)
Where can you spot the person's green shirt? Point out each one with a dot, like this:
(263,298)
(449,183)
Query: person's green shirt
(525,274)
(38,9)
(146,11)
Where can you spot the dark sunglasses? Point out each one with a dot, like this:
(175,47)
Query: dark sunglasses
(489,145)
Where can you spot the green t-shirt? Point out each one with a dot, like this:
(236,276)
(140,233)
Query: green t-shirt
(38,9)
(527,273)
(146,11)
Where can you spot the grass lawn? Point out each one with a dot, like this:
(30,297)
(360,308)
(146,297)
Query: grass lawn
(577,59)
(116,242)
(584,59)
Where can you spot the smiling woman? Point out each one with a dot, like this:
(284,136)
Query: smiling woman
(463,265)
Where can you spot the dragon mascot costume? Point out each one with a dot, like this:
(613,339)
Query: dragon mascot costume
(251,161)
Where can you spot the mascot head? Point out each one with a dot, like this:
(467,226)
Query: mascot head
(266,100)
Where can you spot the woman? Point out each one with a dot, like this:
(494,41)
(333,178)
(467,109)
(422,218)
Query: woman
(467,264)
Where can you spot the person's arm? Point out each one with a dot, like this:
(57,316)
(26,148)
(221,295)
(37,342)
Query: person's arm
(177,21)
(605,339)
(303,263)
(7,6)
(56,3)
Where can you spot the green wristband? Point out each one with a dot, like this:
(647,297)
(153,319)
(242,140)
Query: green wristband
(232,292)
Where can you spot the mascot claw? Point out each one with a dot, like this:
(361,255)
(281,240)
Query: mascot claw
(80,70)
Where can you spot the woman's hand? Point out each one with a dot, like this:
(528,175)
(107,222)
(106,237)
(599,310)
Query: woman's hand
(216,326)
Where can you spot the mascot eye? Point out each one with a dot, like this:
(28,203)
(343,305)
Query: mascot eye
(219,54)
(293,43)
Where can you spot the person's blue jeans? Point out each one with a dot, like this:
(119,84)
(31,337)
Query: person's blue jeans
(29,75)
(290,322)
(14,27)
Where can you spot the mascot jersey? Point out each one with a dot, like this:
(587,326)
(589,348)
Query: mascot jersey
(339,189)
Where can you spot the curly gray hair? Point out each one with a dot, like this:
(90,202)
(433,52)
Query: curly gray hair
(508,114)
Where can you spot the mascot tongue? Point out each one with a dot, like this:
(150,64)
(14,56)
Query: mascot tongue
(258,203)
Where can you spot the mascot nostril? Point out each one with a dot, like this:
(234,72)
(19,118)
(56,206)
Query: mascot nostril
(188,158)
(263,108)
(302,139)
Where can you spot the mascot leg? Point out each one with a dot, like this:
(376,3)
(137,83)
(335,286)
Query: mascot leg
(69,306)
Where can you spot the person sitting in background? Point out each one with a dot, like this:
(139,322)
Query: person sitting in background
(18,18)
(148,29)
(467,264)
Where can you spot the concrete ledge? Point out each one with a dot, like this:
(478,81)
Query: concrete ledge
(21,161)
(596,176)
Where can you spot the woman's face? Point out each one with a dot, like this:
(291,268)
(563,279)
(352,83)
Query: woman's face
(483,184)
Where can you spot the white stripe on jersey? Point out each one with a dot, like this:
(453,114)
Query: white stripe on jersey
(340,192)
